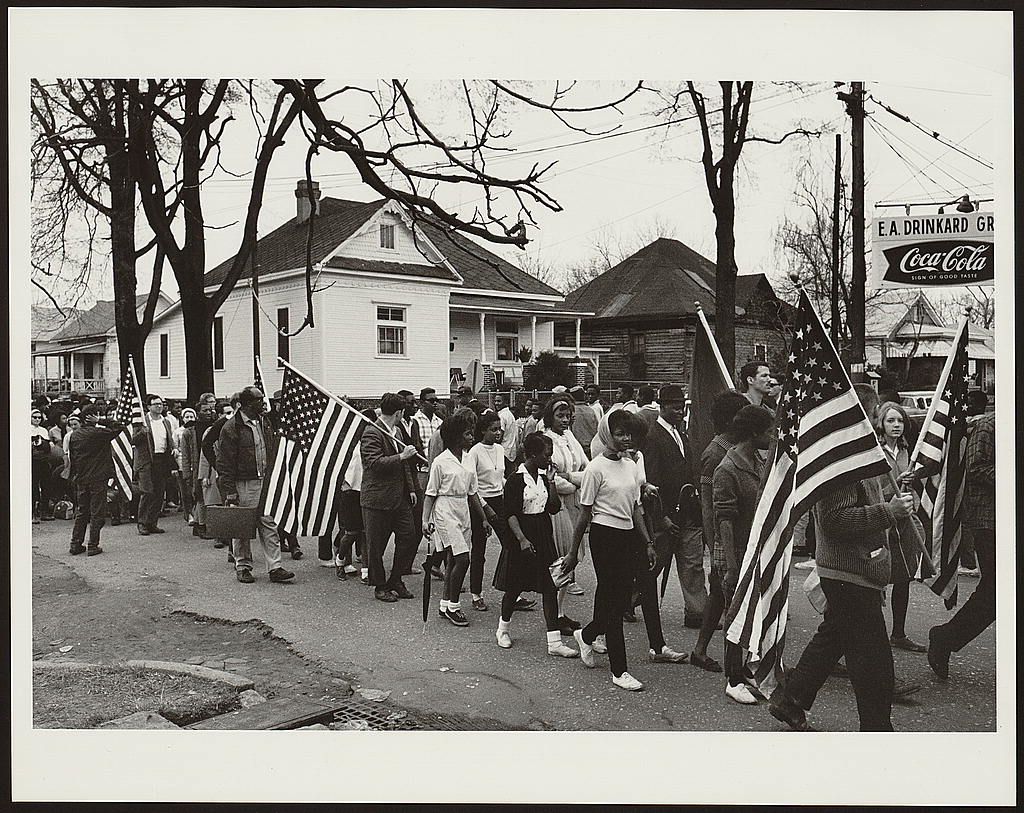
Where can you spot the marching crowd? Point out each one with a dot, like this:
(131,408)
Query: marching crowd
(561,479)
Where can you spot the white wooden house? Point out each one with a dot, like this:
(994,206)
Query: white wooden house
(397,305)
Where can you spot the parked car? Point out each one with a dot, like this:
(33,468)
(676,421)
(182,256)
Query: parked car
(917,402)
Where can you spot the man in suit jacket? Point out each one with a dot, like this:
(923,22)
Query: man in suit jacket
(670,466)
(387,498)
(584,422)
(153,443)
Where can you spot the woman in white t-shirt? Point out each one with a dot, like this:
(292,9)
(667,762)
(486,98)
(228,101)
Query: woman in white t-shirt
(610,505)
(487,459)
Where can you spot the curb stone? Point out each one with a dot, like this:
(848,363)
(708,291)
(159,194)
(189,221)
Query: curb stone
(237,681)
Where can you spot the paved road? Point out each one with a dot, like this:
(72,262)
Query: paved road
(451,670)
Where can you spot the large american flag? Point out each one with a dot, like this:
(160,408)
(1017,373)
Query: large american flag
(939,456)
(129,411)
(823,440)
(317,440)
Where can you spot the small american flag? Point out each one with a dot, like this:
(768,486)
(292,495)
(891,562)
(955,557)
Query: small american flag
(129,411)
(823,440)
(939,473)
(317,440)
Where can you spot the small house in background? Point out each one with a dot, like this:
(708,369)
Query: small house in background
(81,354)
(645,318)
(918,342)
(397,303)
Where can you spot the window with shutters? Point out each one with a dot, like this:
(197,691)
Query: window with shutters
(391,328)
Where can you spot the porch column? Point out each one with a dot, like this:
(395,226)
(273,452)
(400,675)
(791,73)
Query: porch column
(483,340)
(72,371)
(578,321)
(533,337)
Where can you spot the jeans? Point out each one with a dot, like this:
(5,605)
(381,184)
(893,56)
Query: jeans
(379,524)
(241,549)
(979,611)
(151,502)
(688,549)
(91,513)
(855,627)
(612,550)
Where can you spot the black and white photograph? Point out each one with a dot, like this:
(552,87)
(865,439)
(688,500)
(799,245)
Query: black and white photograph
(520,376)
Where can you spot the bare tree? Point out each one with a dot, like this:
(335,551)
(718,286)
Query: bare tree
(611,246)
(979,302)
(82,183)
(724,119)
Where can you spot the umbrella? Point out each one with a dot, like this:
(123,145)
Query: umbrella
(434,558)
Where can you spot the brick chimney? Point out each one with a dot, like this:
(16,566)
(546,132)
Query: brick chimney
(302,207)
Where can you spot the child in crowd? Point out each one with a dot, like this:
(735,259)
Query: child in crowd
(528,550)
(450,496)
(487,459)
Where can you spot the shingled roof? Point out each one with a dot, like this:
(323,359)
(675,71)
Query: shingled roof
(95,321)
(284,249)
(662,279)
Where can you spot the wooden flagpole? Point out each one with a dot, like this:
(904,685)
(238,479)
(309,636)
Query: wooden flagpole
(263,380)
(726,375)
(142,406)
(347,406)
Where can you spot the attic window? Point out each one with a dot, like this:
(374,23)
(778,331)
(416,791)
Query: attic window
(387,236)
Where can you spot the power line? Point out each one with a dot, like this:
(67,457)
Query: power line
(957,181)
(906,161)
(942,155)
(934,134)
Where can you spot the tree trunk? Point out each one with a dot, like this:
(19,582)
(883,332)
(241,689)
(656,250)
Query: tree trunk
(198,345)
(725,268)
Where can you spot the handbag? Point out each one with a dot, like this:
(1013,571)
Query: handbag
(557,576)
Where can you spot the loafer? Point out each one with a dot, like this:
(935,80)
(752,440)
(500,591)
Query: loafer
(785,710)
(667,655)
(906,644)
(707,663)
(382,594)
(156,529)
(245,576)
(279,574)
(402,591)
(938,656)
(143,530)
(480,605)
(524,604)
(296,553)
(565,621)
(457,617)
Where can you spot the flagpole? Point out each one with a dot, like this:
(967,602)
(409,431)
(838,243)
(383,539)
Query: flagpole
(263,380)
(142,406)
(943,379)
(347,406)
(714,344)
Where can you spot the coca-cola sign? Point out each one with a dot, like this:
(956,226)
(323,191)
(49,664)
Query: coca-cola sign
(930,251)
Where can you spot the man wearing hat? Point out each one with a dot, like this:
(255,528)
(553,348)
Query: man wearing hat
(585,420)
(91,468)
(671,467)
(463,395)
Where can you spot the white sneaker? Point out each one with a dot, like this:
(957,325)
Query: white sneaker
(350,569)
(562,651)
(586,650)
(505,640)
(741,694)
(326,563)
(808,565)
(628,682)
(600,646)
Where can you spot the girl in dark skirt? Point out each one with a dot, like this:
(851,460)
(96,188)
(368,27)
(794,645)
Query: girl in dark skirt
(528,549)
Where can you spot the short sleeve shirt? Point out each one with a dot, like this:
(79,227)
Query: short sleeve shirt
(611,488)
(450,478)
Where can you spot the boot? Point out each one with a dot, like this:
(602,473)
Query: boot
(556,647)
(502,635)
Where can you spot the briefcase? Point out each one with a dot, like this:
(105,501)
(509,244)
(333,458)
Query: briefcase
(231,521)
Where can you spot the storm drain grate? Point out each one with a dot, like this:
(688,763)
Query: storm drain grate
(361,715)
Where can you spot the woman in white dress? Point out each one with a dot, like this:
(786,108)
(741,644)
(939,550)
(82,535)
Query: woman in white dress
(568,460)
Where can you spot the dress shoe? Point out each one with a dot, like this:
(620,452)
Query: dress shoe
(567,626)
(296,553)
(341,574)
(77,549)
(480,605)
(666,655)
(383,594)
(143,530)
(905,643)
(94,550)
(524,604)
(938,656)
(904,689)
(435,573)
(245,576)
(629,617)
(220,543)
(279,574)
(705,662)
(115,521)
(402,591)
(785,710)
(156,529)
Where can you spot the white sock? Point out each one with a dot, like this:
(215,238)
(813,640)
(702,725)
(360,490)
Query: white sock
(364,573)
(503,625)
(455,605)
(561,601)
(554,638)
(443,605)
(476,597)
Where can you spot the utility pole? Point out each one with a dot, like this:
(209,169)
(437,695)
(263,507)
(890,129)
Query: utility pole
(837,263)
(855,315)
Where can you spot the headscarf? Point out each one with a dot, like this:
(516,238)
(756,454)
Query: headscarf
(188,415)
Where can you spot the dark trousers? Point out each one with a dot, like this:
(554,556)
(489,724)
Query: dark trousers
(91,513)
(979,611)
(855,627)
(151,502)
(478,541)
(379,524)
(647,586)
(612,551)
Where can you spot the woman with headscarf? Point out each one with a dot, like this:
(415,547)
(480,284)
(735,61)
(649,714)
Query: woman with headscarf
(735,484)
(568,460)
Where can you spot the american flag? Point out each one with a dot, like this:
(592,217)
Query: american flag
(940,453)
(129,411)
(317,440)
(823,440)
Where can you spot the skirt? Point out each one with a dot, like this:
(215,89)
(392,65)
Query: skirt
(350,515)
(452,527)
(524,571)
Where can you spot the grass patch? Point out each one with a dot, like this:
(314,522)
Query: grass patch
(87,697)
